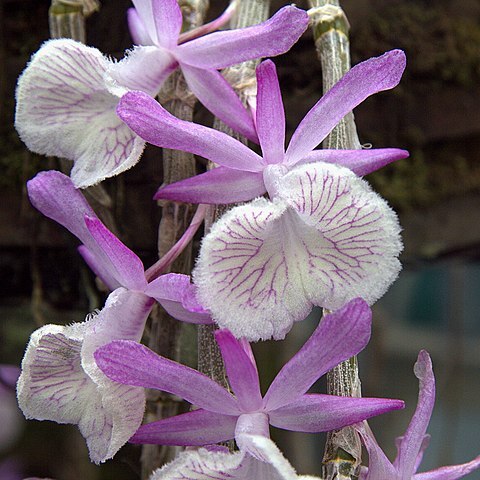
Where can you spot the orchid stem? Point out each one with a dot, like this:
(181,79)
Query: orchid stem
(173,241)
(164,263)
(330,26)
(241,77)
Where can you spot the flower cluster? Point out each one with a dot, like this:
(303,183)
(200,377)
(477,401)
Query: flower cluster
(312,233)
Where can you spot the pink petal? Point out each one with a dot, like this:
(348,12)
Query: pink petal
(131,363)
(64,109)
(155,64)
(198,427)
(361,162)
(218,96)
(414,436)
(453,472)
(99,268)
(321,352)
(270,113)
(218,186)
(178,297)
(154,124)
(320,413)
(162,20)
(137,28)
(379,466)
(363,80)
(241,371)
(55,196)
(124,265)
(222,49)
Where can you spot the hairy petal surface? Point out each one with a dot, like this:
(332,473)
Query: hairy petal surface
(144,69)
(64,109)
(218,186)
(325,239)
(352,237)
(204,464)
(222,49)
(153,123)
(247,272)
(61,382)
(363,80)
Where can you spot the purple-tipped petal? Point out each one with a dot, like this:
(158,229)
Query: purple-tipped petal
(213,91)
(153,123)
(411,442)
(218,186)
(162,20)
(137,28)
(125,266)
(321,352)
(54,195)
(453,472)
(131,363)
(320,413)
(198,427)
(363,80)
(360,162)
(178,297)
(222,49)
(241,371)
(270,113)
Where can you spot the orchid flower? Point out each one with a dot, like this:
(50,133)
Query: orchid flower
(60,380)
(412,445)
(286,404)
(207,463)
(322,239)
(67,95)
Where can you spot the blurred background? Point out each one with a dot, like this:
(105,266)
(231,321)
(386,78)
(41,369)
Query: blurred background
(435,303)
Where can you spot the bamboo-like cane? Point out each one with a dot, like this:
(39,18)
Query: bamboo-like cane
(343,448)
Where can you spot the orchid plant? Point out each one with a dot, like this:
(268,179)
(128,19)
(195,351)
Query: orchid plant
(311,232)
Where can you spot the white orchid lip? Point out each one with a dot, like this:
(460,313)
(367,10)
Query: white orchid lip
(324,239)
